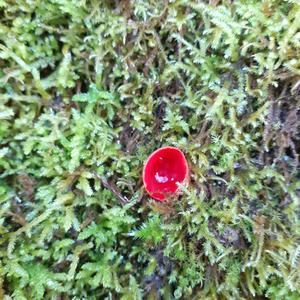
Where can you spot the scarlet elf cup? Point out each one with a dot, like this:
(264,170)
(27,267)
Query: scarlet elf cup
(163,169)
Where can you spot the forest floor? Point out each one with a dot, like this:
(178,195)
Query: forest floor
(88,89)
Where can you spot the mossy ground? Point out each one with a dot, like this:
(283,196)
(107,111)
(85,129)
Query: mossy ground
(89,89)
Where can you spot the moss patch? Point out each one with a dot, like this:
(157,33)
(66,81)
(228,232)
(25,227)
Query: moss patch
(88,89)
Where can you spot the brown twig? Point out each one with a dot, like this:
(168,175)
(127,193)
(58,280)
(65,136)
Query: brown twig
(111,186)
(17,218)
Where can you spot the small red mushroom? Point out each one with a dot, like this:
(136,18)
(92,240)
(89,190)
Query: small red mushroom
(163,169)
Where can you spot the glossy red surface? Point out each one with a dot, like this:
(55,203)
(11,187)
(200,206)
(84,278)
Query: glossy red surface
(163,168)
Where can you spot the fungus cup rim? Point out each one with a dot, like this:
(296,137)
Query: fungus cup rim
(185,181)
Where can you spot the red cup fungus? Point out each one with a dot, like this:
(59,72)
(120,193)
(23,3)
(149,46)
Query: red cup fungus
(163,169)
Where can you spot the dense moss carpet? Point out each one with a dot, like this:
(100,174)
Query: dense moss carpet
(88,89)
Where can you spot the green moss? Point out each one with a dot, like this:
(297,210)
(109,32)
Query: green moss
(89,89)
